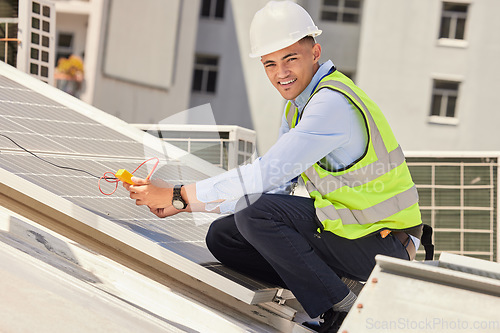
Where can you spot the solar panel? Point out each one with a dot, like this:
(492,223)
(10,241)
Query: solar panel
(68,132)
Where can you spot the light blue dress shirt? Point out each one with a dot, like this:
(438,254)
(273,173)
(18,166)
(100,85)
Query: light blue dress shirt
(330,128)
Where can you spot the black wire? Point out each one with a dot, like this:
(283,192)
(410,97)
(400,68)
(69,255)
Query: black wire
(53,164)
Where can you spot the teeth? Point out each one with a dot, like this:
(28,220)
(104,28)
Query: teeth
(288,82)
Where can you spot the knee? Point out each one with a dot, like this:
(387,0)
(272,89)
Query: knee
(251,217)
(247,202)
(215,237)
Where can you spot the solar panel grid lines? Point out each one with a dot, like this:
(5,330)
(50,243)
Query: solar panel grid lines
(63,137)
(5,83)
(82,188)
(83,112)
(186,257)
(69,133)
(25,96)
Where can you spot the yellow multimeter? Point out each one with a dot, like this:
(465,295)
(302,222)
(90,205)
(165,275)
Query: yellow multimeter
(124,176)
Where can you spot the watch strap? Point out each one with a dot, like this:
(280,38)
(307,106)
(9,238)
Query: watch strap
(176,195)
(177,190)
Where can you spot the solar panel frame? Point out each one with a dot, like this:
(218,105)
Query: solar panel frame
(23,178)
(123,239)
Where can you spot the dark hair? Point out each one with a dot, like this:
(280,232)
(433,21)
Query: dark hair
(308,39)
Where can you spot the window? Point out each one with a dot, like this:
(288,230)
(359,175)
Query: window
(205,74)
(8,32)
(64,45)
(213,8)
(40,25)
(453,20)
(347,11)
(444,98)
(8,40)
(37,32)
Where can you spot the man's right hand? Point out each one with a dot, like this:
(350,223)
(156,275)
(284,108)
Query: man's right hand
(167,211)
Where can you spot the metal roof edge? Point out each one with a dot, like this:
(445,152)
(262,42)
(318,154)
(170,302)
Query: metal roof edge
(191,127)
(67,214)
(439,275)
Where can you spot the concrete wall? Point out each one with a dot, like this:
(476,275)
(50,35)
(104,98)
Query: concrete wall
(139,103)
(266,104)
(339,41)
(245,97)
(230,102)
(400,56)
(394,54)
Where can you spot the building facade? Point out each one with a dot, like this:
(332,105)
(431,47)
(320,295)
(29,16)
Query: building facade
(428,63)
(431,66)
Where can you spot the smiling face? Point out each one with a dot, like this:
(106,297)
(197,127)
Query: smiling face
(291,69)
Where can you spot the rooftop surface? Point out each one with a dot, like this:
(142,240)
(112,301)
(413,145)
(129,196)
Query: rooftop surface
(103,264)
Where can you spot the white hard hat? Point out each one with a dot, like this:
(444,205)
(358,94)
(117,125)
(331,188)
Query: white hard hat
(278,25)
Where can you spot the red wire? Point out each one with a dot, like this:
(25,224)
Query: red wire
(113,179)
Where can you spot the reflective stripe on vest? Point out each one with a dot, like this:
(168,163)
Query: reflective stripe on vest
(372,214)
(355,177)
(359,176)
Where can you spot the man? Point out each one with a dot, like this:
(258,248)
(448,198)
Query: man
(362,199)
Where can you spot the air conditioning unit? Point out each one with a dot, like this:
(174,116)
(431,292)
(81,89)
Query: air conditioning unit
(225,146)
(458,197)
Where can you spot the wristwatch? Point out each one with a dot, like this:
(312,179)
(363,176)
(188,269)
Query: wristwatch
(177,200)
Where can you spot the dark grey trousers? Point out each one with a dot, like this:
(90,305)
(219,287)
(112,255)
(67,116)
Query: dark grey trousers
(275,239)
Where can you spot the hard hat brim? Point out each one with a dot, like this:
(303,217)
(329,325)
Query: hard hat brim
(281,45)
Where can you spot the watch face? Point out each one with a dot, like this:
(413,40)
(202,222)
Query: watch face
(177,204)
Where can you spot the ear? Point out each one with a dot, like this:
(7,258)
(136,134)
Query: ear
(316,52)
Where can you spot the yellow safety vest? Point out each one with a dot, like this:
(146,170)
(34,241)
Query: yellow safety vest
(376,192)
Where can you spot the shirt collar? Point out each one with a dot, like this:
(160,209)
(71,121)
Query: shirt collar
(301,100)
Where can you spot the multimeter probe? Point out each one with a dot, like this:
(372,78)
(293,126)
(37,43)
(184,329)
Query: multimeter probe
(125,176)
